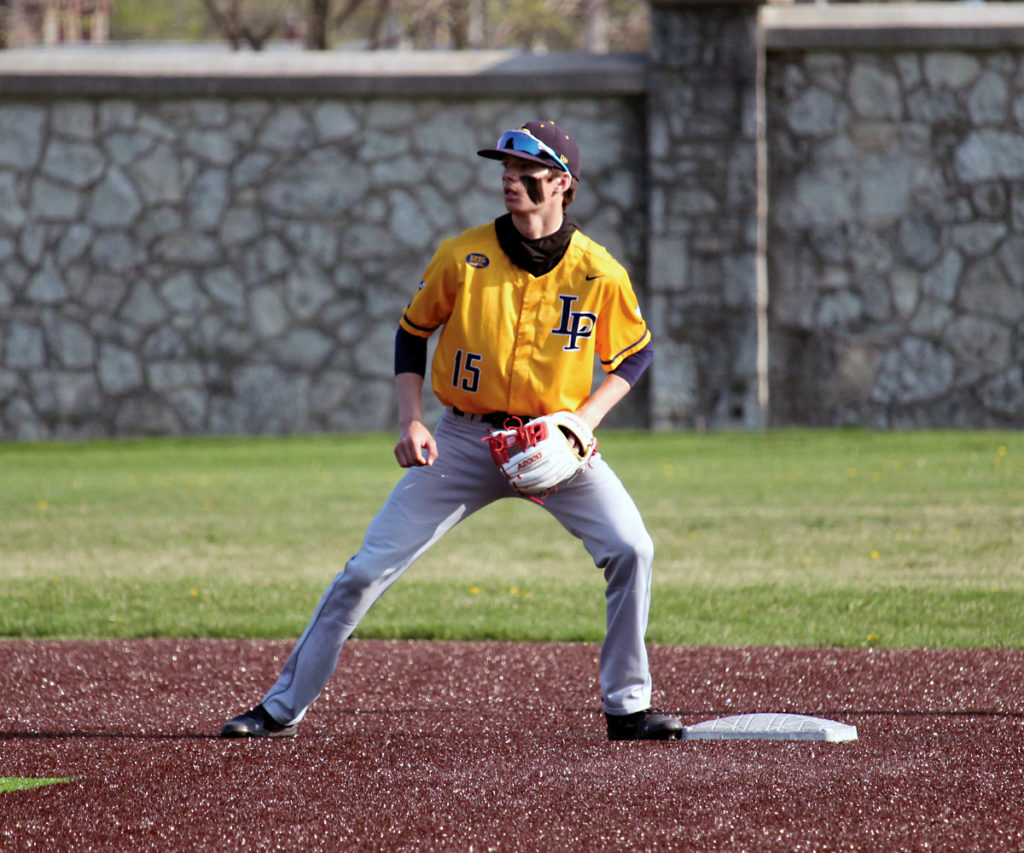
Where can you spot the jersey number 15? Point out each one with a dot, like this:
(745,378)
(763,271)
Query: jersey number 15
(466,374)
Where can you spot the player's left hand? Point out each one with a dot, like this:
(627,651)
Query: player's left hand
(538,456)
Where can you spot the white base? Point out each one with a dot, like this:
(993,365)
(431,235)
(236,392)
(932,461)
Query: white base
(770,727)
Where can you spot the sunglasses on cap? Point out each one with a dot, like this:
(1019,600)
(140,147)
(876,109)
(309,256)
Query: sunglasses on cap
(526,143)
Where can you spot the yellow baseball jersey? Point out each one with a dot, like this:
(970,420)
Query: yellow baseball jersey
(514,342)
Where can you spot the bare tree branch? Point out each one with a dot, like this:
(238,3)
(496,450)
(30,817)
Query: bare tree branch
(224,23)
(382,18)
(253,29)
(347,11)
(322,23)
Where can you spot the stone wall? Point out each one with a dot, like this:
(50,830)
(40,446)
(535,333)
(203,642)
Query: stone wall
(896,199)
(192,263)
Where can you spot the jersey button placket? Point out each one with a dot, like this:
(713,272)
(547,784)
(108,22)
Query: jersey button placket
(519,376)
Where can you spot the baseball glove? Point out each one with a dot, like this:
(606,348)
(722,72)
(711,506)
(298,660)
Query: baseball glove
(537,456)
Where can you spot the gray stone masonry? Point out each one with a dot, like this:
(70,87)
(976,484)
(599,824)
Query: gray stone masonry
(896,242)
(218,264)
(704,247)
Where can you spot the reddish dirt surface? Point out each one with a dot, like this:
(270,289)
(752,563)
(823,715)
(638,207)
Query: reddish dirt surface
(494,746)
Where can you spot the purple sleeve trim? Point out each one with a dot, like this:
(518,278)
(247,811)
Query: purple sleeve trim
(633,366)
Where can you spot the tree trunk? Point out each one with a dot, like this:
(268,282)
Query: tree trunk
(458,15)
(318,16)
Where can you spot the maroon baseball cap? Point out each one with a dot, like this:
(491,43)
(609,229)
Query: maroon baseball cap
(541,142)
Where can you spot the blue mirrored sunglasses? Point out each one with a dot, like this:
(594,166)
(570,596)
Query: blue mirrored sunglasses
(520,140)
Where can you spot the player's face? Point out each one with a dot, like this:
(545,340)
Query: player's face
(529,187)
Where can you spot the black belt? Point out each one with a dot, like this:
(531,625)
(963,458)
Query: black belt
(496,419)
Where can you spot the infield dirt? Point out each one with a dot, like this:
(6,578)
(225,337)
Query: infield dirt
(497,746)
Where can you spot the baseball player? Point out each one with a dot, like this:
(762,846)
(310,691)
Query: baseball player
(521,305)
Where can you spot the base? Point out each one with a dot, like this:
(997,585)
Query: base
(770,727)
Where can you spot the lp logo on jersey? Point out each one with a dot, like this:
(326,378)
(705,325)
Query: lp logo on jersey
(574,324)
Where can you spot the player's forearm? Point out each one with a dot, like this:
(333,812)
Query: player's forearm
(603,400)
(409,390)
(416,446)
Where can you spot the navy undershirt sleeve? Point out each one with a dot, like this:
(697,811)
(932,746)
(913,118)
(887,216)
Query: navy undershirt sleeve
(410,353)
(633,366)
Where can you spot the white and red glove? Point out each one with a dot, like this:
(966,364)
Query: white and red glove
(538,456)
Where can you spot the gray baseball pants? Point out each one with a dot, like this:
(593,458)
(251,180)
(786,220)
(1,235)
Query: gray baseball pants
(428,502)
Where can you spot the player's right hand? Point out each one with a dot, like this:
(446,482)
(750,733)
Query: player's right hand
(416,446)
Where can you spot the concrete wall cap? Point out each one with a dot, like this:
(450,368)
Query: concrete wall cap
(211,69)
(893,25)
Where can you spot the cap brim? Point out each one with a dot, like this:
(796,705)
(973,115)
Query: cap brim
(502,153)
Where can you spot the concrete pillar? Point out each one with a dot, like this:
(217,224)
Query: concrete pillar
(706,243)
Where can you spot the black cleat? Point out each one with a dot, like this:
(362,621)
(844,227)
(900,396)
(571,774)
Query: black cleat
(257,723)
(643,725)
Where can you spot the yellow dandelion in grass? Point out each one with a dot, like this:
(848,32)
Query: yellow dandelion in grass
(43,506)
(668,470)
(193,592)
(512,590)
(851,472)
(875,555)
(474,590)
(872,639)
(1002,451)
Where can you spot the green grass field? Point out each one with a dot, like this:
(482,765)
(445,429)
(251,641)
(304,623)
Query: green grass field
(21,783)
(783,538)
